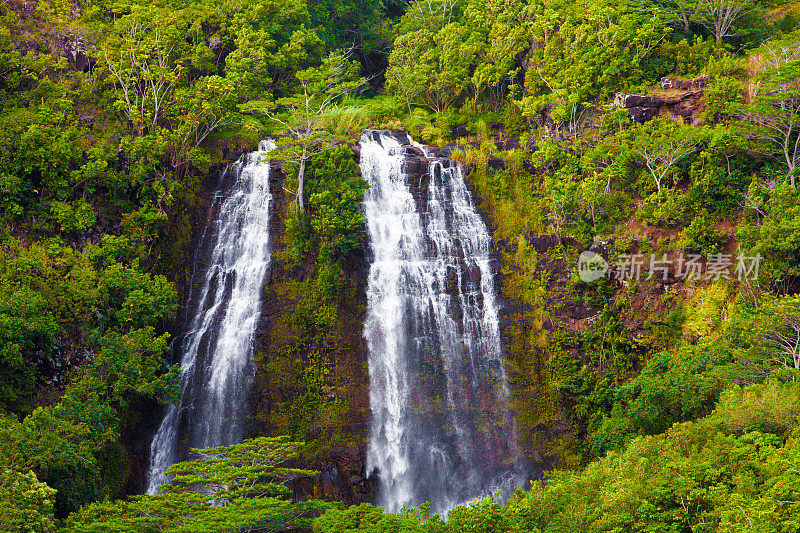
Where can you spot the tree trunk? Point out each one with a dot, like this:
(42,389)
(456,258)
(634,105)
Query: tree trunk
(300,177)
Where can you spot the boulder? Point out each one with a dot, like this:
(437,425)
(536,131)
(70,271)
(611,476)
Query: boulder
(495,163)
(684,85)
(686,106)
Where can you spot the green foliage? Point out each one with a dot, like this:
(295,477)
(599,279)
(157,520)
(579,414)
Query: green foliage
(721,94)
(302,114)
(561,75)
(325,236)
(73,218)
(706,310)
(717,183)
(690,56)
(367,518)
(431,66)
(716,474)
(595,293)
(65,453)
(673,387)
(607,345)
(27,503)
(485,515)
(27,330)
(335,191)
(73,445)
(766,338)
(135,299)
(102,175)
(227,488)
(435,62)
(769,123)
(689,475)
(662,145)
(777,237)
(359,24)
(701,237)
(667,208)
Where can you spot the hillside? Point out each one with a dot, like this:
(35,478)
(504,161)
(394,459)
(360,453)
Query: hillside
(635,165)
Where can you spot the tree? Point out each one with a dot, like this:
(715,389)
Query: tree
(273,40)
(433,58)
(200,109)
(767,337)
(64,453)
(578,54)
(771,123)
(406,76)
(777,53)
(365,518)
(336,190)
(141,56)
(303,113)
(679,10)
(717,16)
(430,14)
(357,24)
(501,24)
(26,504)
(663,144)
(26,335)
(228,488)
(593,191)
(782,334)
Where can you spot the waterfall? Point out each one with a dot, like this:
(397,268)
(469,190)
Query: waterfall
(441,431)
(223,311)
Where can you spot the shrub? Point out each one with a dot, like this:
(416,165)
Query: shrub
(701,237)
(667,208)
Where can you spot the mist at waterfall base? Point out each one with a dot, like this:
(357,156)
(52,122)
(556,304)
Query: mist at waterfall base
(223,309)
(440,431)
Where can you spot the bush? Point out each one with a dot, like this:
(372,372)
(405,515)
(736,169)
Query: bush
(667,208)
(701,237)
(335,191)
(73,218)
(714,189)
(513,120)
(720,94)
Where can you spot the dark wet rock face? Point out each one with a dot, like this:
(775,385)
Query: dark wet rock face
(683,101)
(341,464)
(74,48)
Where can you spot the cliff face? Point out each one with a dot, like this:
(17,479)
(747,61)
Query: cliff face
(561,337)
(314,385)
(680,100)
(313,388)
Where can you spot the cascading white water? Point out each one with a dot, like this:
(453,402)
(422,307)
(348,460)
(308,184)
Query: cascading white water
(225,304)
(440,430)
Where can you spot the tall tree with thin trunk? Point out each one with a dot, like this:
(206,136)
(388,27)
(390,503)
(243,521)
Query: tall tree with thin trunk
(662,145)
(302,114)
(718,16)
(770,124)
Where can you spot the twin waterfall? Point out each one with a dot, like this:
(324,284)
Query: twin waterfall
(440,431)
(224,307)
